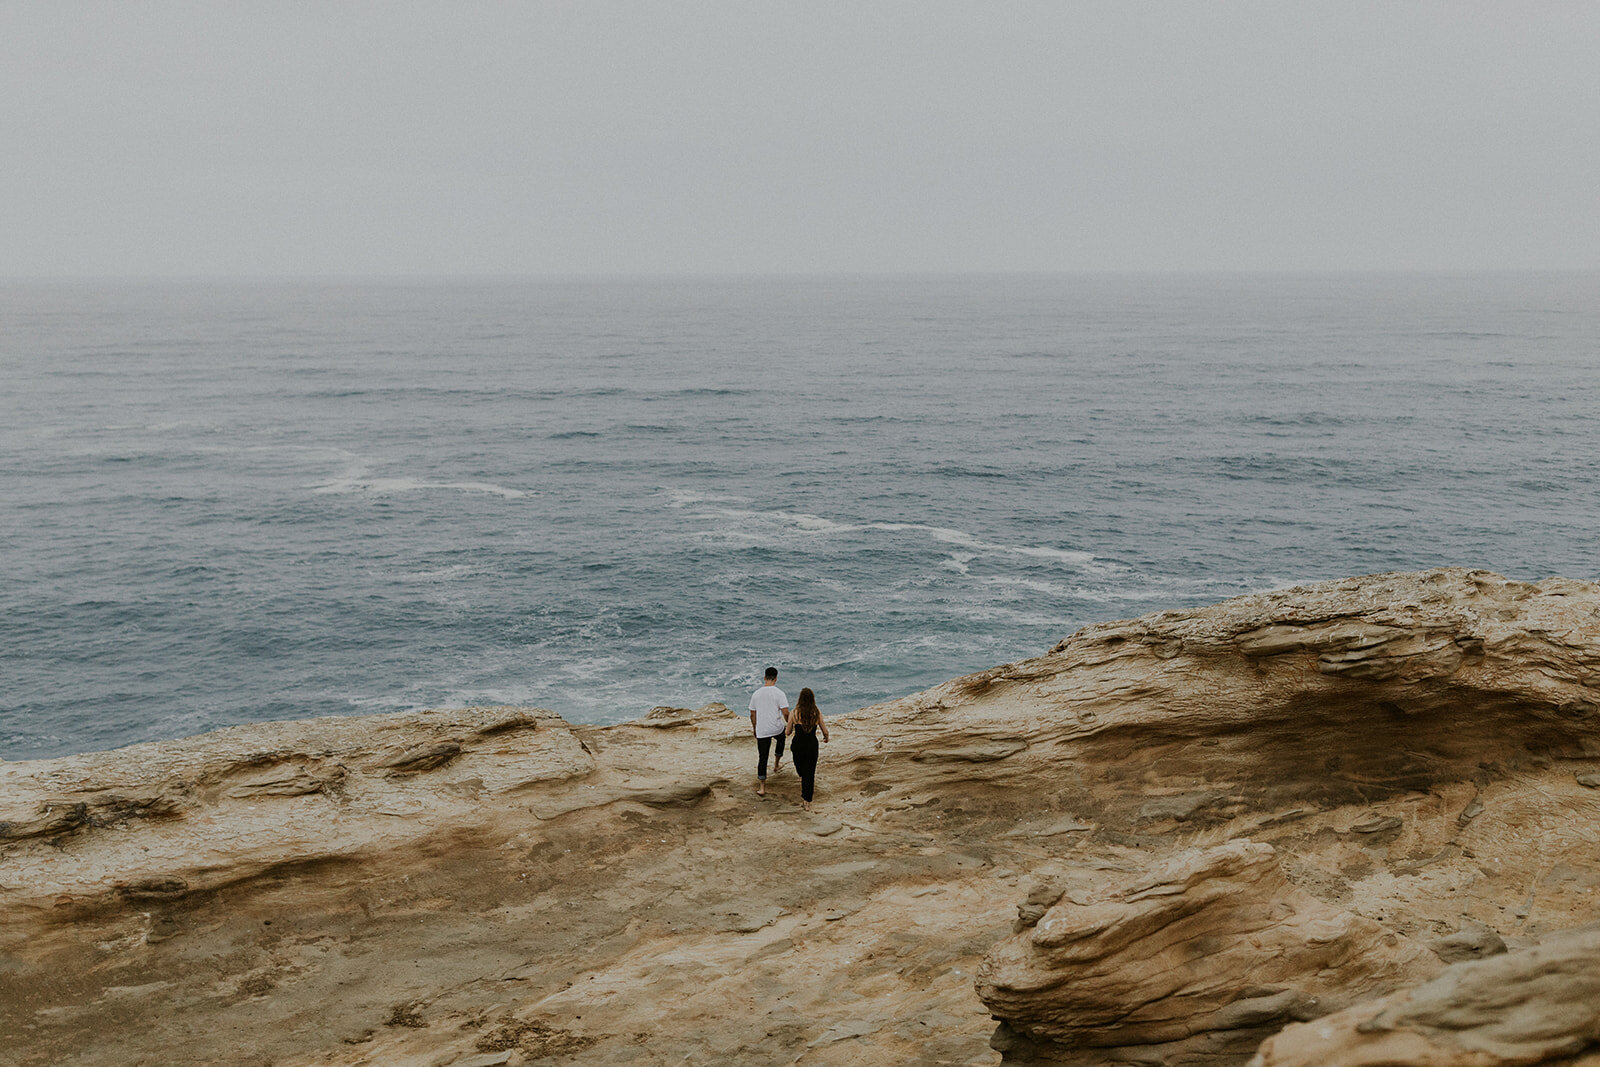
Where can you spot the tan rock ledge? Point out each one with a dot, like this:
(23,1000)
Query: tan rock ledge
(1164,841)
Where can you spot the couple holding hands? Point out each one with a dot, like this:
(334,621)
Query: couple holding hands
(771,717)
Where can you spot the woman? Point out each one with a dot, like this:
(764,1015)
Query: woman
(805,723)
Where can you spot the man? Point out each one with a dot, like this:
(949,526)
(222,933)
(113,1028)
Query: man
(769,718)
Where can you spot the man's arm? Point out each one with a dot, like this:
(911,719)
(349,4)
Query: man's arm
(752,720)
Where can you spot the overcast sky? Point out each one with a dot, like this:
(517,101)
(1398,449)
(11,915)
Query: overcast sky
(155,138)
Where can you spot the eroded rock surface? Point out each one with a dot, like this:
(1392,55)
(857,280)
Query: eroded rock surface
(1201,957)
(1540,1005)
(1295,802)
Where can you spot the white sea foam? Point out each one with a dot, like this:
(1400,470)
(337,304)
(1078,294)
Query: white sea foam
(751,523)
(963,539)
(1131,586)
(1162,590)
(382,486)
(682,498)
(356,478)
(1033,585)
(148,427)
(958,562)
(451,573)
(999,613)
(383,702)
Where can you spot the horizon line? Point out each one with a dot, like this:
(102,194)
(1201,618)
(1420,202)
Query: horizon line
(645,275)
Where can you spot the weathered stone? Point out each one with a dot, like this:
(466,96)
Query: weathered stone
(1040,899)
(1180,808)
(420,758)
(1065,825)
(145,889)
(1539,1005)
(1212,948)
(284,781)
(752,920)
(1473,942)
(48,819)
(672,792)
(485,1059)
(570,892)
(667,718)
(986,751)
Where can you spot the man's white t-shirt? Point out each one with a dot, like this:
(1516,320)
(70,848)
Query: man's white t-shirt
(768,703)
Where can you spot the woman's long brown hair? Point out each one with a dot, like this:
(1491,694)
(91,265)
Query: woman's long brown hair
(805,710)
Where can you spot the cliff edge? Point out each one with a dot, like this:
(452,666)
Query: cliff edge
(1336,823)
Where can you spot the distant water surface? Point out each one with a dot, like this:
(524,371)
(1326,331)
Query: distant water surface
(226,502)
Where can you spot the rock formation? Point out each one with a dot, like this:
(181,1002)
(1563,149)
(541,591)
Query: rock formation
(1199,958)
(1534,1006)
(1317,818)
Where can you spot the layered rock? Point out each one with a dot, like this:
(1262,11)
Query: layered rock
(1418,747)
(235,805)
(1198,959)
(1541,1005)
(1216,822)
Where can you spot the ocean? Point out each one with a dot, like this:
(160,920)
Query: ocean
(223,502)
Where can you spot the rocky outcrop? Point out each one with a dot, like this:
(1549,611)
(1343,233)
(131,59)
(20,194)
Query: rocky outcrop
(1541,1005)
(234,805)
(1198,959)
(1161,842)
(1413,745)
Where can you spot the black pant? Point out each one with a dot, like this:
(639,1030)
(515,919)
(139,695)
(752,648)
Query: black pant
(804,750)
(762,745)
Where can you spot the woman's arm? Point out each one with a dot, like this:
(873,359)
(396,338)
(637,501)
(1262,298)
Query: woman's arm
(823,727)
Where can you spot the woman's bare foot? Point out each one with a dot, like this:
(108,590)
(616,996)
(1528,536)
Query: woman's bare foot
(806,805)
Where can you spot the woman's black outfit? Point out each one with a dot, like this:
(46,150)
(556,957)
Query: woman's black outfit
(803,750)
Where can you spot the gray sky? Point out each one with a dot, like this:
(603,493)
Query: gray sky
(155,138)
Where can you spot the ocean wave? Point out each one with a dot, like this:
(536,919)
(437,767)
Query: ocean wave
(682,498)
(150,427)
(700,391)
(954,471)
(451,573)
(1006,610)
(1309,418)
(801,522)
(958,562)
(386,486)
(963,539)
(1171,592)
(356,478)
(1032,585)
(860,420)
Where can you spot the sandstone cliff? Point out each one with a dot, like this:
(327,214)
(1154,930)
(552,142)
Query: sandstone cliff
(1303,826)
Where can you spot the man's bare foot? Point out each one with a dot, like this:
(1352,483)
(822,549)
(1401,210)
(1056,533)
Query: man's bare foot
(761,790)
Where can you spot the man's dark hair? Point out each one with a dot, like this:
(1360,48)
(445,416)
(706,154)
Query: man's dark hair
(772,674)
